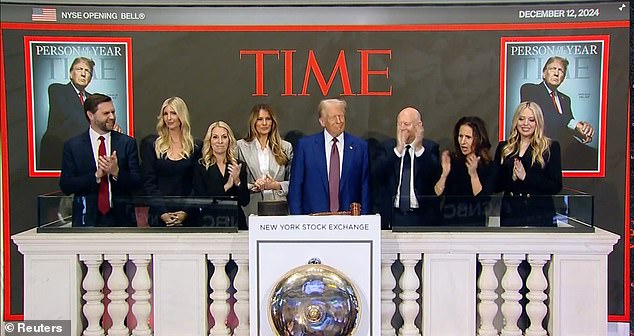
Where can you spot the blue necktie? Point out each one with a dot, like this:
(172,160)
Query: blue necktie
(403,202)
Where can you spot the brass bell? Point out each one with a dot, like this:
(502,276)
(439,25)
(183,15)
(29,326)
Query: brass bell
(314,300)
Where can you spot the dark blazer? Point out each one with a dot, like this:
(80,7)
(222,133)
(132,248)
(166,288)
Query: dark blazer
(555,124)
(78,178)
(528,202)
(165,177)
(66,117)
(576,155)
(426,174)
(308,188)
(210,182)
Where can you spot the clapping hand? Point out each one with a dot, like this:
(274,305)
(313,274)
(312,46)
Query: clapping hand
(108,165)
(445,162)
(472,165)
(234,173)
(518,170)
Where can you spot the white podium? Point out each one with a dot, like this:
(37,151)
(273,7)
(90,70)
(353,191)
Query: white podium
(350,244)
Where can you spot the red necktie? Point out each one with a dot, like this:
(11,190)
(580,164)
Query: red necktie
(552,95)
(81,98)
(333,176)
(103,199)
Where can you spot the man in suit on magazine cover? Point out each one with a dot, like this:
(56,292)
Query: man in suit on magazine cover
(66,112)
(559,122)
(100,167)
(329,170)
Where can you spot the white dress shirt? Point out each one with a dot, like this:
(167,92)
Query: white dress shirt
(412,196)
(94,142)
(328,147)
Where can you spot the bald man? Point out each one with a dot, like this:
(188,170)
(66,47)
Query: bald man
(410,166)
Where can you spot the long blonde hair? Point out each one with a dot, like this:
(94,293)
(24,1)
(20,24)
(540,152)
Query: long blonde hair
(162,143)
(208,159)
(540,144)
(274,139)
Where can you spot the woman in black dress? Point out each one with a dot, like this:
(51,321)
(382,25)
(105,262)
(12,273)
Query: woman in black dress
(168,159)
(464,174)
(527,168)
(218,172)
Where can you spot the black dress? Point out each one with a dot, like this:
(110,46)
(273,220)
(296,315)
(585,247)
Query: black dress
(210,182)
(166,177)
(528,202)
(460,207)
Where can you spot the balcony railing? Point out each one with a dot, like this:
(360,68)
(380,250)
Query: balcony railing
(144,282)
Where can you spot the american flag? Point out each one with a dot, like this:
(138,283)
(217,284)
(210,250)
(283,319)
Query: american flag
(44,14)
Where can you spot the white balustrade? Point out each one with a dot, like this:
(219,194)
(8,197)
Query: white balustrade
(93,285)
(512,283)
(409,283)
(118,307)
(388,282)
(180,287)
(219,284)
(487,283)
(536,284)
(241,284)
(141,284)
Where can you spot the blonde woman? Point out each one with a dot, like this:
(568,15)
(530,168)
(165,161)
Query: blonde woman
(527,168)
(218,172)
(267,157)
(168,160)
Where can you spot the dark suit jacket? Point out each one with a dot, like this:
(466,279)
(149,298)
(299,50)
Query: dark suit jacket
(165,177)
(210,182)
(78,178)
(426,174)
(66,118)
(577,156)
(555,124)
(308,189)
(527,202)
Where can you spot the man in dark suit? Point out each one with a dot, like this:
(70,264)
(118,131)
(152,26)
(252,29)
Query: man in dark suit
(66,112)
(559,122)
(410,167)
(100,167)
(329,170)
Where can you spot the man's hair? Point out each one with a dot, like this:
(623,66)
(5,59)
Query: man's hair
(322,105)
(92,101)
(552,59)
(86,60)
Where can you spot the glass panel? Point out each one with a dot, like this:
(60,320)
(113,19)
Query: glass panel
(62,213)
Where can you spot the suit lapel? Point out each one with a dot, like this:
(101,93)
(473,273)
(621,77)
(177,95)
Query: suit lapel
(86,148)
(320,153)
(253,163)
(348,158)
(274,167)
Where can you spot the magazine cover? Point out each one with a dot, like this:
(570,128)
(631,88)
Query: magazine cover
(60,73)
(567,77)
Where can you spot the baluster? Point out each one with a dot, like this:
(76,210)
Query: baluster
(141,283)
(388,282)
(409,283)
(118,307)
(487,283)
(536,284)
(93,285)
(511,282)
(241,284)
(219,308)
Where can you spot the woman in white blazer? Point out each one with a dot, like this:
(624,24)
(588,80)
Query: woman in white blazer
(267,156)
